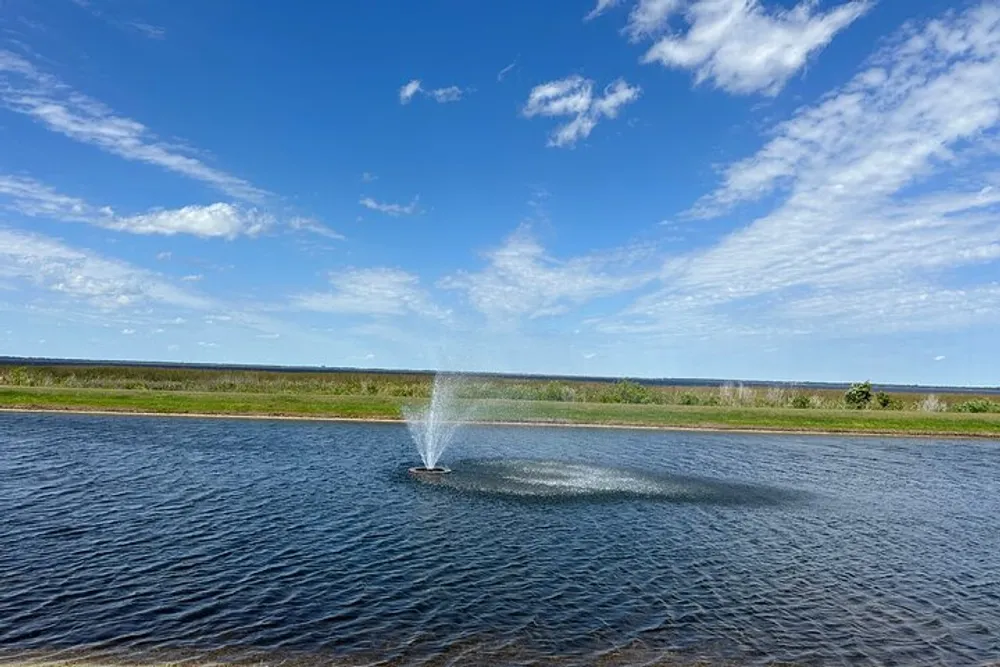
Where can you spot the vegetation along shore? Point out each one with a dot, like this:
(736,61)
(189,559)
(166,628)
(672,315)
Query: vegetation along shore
(339,394)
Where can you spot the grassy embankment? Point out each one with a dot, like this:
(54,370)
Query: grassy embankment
(372,396)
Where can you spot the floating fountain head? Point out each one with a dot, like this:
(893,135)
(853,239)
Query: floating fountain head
(421,471)
(434,426)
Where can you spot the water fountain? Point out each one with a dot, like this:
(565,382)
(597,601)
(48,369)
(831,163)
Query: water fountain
(434,426)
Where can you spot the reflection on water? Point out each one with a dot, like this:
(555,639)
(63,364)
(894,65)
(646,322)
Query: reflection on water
(140,540)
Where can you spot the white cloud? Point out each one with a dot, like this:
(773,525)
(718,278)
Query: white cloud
(940,357)
(738,45)
(439,95)
(650,16)
(164,256)
(192,278)
(368,177)
(374,291)
(315,227)
(105,283)
(522,280)
(854,244)
(574,96)
(220,220)
(128,332)
(506,70)
(394,210)
(444,95)
(212,221)
(41,96)
(30,197)
(147,29)
(407,91)
(601,7)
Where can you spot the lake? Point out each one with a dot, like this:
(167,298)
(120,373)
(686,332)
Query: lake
(134,539)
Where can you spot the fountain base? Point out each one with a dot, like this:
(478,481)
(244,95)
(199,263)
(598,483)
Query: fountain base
(421,470)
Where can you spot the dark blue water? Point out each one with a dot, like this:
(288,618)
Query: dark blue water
(135,539)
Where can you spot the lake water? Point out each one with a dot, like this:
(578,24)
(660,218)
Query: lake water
(140,539)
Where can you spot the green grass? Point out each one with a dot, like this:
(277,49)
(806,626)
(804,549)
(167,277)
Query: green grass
(388,407)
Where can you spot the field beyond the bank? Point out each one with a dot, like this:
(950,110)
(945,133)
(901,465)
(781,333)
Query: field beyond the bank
(383,396)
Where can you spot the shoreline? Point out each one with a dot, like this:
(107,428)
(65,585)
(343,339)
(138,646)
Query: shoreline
(717,428)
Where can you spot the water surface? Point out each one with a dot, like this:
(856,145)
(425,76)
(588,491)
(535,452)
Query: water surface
(143,539)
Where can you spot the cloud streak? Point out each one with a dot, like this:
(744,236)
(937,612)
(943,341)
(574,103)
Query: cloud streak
(26,90)
(440,95)
(850,247)
(372,291)
(220,220)
(394,210)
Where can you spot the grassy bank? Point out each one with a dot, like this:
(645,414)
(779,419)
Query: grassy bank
(320,405)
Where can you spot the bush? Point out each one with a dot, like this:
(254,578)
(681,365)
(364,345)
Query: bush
(626,391)
(977,405)
(19,377)
(887,402)
(859,396)
(801,402)
(688,398)
(556,391)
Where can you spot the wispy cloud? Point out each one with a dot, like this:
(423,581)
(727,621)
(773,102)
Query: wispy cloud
(105,283)
(574,96)
(521,280)
(140,27)
(408,90)
(440,95)
(394,210)
(220,220)
(55,105)
(315,227)
(739,46)
(368,177)
(850,247)
(506,70)
(372,291)
(147,29)
(601,7)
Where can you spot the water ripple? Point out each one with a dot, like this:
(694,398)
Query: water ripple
(136,540)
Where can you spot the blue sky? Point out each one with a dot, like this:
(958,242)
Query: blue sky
(747,189)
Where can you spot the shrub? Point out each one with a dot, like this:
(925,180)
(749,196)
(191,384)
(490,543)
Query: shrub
(801,402)
(556,391)
(859,396)
(626,391)
(688,398)
(19,377)
(887,402)
(977,405)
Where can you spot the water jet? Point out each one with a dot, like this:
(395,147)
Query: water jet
(434,426)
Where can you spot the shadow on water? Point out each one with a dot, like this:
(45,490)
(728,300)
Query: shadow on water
(549,480)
